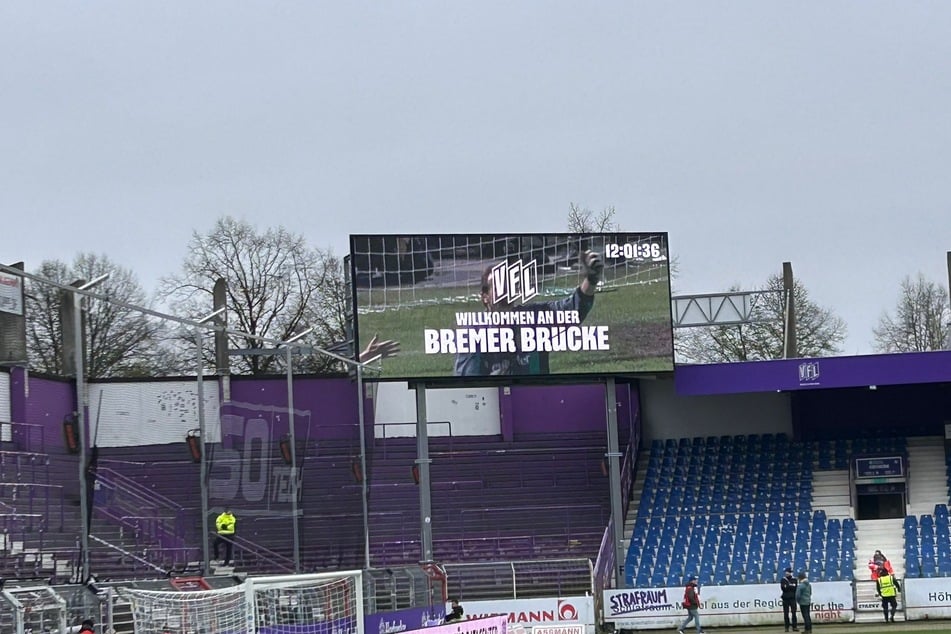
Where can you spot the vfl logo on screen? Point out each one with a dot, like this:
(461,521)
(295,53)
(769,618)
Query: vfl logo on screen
(515,282)
(809,373)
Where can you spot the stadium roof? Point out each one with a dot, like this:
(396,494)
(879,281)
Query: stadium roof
(814,374)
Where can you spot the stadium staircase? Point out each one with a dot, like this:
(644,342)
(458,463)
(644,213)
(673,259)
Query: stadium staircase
(910,543)
(927,474)
(830,493)
(884,535)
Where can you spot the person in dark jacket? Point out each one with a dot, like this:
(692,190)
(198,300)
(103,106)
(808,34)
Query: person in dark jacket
(692,603)
(788,586)
(887,587)
(456,613)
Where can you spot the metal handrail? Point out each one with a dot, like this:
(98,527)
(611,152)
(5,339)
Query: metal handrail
(32,487)
(133,486)
(249,546)
(137,502)
(129,554)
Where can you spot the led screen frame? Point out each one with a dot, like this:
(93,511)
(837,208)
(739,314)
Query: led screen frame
(427,292)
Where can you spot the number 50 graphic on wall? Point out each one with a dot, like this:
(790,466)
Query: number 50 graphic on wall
(244,467)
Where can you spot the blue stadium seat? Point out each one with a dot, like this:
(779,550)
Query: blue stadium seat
(846,570)
(831,572)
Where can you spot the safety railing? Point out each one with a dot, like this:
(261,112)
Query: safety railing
(133,506)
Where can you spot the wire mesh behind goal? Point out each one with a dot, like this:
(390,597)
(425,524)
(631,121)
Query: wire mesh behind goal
(328,603)
(31,609)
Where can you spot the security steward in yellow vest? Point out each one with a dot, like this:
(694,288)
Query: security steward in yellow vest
(225,527)
(887,587)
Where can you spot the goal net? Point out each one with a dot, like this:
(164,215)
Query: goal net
(328,606)
(401,271)
(162,612)
(325,603)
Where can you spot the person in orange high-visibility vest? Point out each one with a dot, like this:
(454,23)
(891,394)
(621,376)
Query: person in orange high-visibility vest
(879,560)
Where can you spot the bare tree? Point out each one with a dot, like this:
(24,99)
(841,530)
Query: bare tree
(277,286)
(584,220)
(119,341)
(921,319)
(819,331)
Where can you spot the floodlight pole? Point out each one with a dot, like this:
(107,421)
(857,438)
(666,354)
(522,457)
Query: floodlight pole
(947,345)
(614,478)
(292,438)
(79,364)
(422,465)
(200,394)
(361,417)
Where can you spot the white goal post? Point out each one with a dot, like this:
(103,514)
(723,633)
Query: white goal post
(319,603)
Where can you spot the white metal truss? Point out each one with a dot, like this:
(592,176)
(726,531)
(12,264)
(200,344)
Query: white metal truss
(717,309)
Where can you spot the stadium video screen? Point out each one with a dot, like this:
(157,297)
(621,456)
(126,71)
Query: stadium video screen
(496,305)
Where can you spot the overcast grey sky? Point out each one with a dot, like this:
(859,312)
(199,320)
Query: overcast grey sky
(754,132)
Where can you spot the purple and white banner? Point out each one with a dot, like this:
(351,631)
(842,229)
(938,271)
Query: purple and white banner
(723,606)
(404,620)
(487,625)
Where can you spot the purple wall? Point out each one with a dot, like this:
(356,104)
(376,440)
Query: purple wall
(532,410)
(42,402)
(40,405)
(332,403)
(556,408)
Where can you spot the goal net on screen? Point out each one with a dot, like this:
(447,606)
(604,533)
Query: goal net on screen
(324,603)
(402,271)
